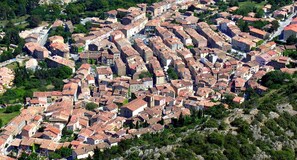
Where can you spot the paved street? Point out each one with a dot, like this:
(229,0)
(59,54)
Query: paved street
(282,25)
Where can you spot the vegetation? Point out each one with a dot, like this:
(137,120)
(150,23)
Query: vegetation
(259,24)
(275,25)
(6,117)
(145,75)
(91,106)
(60,31)
(259,42)
(167,137)
(67,135)
(27,82)
(290,53)
(14,8)
(11,109)
(32,156)
(188,141)
(34,21)
(278,3)
(171,73)
(11,37)
(275,79)
(243,25)
(247,7)
(63,152)
(291,40)
(97,8)
(79,28)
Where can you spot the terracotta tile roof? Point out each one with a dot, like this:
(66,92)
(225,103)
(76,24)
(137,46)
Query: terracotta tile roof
(292,27)
(135,104)
(70,89)
(258,31)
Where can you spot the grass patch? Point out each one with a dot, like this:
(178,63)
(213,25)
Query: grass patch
(12,66)
(6,117)
(50,87)
(258,5)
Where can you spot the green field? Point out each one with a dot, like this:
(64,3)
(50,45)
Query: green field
(12,66)
(258,5)
(6,117)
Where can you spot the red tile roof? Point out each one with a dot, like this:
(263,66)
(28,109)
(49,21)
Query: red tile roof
(292,27)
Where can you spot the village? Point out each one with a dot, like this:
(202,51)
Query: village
(143,67)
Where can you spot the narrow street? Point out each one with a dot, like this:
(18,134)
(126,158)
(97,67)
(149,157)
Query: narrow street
(282,25)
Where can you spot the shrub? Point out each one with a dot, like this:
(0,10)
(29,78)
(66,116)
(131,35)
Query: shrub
(91,106)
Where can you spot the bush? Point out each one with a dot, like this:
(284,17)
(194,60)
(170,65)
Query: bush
(291,40)
(246,8)
(171,73)
(145,75)
(211,124)
(216,138)
(283,155)
(11,109)
(217,112)
(182,153)
(275,78)
(91,106)
(290,53)
(243,127)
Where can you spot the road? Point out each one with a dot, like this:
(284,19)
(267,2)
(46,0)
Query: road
(282,25)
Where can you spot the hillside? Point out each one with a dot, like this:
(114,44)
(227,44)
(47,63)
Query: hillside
(264,127)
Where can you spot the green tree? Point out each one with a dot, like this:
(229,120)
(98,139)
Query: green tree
(275,25)
(60,31)
(11,34)
(246,8)
(217,112)
(211,124)
(145,75)
(171,73)
(233,3)
(275,78)
(98,155)
(291,40)
(216,138)
(248,150)
(290,53)
(232,153)
(182,153)
(283,155)
(79,28)
(34,21)
(243,25)
(260,13)
(91,106)
(32,156)
(65,152)
(11,109)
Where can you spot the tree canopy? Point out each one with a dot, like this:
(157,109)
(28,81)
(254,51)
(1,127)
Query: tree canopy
(91,106)
(275,78)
